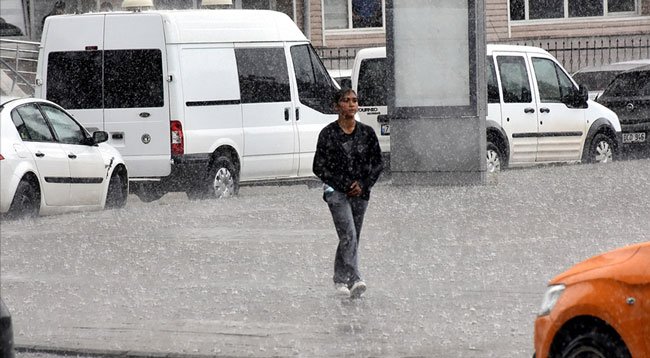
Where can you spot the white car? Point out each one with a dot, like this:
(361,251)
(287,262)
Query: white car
(50,164)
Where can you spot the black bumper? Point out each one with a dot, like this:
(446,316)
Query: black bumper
(186,170)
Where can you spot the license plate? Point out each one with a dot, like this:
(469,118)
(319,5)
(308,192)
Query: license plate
(385,129)
(634,137)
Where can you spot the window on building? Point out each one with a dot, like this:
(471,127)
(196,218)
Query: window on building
(353,14)
(557,9)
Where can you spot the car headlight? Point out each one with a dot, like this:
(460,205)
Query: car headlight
(550,299)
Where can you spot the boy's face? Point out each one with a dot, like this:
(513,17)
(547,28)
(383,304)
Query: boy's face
(348,105)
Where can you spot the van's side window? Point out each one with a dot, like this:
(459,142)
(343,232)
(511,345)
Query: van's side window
(315,86)
(133,78)
(493,86)
(554,85)
(74,79)
(263,75)
(514,79)
(372,76)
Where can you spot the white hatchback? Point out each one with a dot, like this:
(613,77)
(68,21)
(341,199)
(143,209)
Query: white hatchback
(50,164)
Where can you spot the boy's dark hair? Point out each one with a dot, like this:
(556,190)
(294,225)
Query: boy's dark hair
(341,93)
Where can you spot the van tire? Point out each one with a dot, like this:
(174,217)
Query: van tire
(601,149)
(26,202)
(494,158)
(222,181)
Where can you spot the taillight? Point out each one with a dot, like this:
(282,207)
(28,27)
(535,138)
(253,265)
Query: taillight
(177,137)
(1,157)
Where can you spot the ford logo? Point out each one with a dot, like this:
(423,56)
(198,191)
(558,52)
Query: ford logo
(629,107)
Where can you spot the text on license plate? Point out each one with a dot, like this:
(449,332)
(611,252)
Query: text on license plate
(385,129)
(634,137)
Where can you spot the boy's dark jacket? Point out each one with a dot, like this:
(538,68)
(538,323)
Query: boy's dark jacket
(338,170)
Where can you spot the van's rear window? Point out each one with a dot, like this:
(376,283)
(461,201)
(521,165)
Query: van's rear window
(74,79)
(371,84)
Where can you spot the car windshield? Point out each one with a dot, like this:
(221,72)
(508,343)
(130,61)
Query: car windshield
(596,80)
(628,84)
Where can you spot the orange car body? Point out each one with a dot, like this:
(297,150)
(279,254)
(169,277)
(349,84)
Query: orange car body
(613,287)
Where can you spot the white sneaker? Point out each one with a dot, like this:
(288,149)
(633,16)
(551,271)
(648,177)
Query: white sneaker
(342,289)
(357,289)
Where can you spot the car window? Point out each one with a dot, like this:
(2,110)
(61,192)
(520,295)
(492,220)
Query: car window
(554,85)
(372,76)
(66,129)
(315,86)
(629,84)
(493,86)
(35,124)
(514,79)
(74,79)
(20,126)
(133,78)
(595,80)
(263,75)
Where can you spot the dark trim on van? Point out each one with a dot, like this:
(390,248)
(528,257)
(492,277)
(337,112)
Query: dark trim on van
(68,180)
(547,134)
(212,103)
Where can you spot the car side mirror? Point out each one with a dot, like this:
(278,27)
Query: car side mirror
(99,137)
(583,93)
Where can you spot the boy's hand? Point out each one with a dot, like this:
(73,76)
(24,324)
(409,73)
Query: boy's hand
(355,189)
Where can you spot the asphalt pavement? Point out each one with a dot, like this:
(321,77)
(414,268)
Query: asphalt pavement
(451,271)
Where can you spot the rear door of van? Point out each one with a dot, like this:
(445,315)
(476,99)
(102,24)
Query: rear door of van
(70,67)
(136,94)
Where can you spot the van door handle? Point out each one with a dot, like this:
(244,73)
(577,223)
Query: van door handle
(40,154)
(286,114)
(529,110)
(297,114)
(72,156)
(545,110)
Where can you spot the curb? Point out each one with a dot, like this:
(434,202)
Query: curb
(84,352)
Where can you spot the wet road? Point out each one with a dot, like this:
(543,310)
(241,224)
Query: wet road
(451,271)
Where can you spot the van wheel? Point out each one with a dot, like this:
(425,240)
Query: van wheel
(148,192)
(26,201)
(222,181)
(117,190)
(494,158)
(601,149)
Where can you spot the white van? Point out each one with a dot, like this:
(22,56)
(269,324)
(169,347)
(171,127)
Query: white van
(195,100)
(536,112)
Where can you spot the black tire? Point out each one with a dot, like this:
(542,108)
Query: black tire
(494,158)
(221,181)
(148,192)
(595,344)
(118,190)
(601,149)
(26,201)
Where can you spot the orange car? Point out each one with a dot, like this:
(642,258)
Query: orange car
(598,308)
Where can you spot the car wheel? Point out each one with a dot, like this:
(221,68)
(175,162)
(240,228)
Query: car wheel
(494,158)
(148,192)
(596,344)
(601,149)
(26,202)
(117,191)
(222,181)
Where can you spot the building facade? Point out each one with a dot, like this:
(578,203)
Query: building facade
(577,32)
